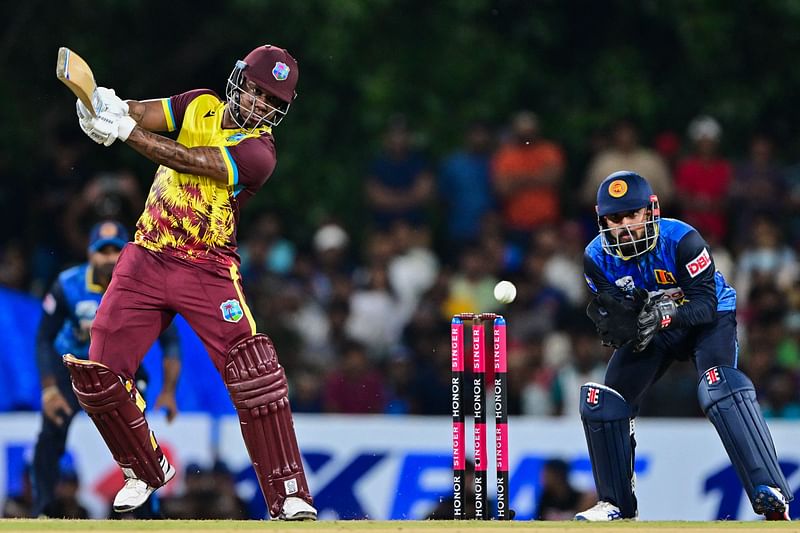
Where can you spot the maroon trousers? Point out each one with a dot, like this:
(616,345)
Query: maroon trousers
(148,289)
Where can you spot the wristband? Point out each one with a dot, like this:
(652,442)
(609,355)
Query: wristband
(125,127)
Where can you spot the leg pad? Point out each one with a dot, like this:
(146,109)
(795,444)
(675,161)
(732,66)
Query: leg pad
(608,425)
(728,399)
(117,410)
(259,391)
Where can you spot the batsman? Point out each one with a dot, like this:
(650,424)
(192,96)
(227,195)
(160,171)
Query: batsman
(658,298)
(183,261)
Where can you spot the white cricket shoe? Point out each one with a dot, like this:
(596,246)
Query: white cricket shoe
(135,491)
(297,509)
(601,512)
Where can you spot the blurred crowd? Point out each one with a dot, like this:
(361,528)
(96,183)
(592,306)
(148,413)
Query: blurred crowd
(360,314)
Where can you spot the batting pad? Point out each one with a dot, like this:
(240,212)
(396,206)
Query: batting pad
(728,399)
(259,391)
(608,426)
(114,410)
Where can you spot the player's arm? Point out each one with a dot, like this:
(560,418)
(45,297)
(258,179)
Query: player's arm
(199,160)
(148,114)
(171,363)
(695,277)
(132,122)
(54,314)
(596,278)
(613,312)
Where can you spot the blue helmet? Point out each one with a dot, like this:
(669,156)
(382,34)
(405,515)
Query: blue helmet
(621,192)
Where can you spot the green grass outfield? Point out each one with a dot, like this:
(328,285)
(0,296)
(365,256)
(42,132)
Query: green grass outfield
(382,526)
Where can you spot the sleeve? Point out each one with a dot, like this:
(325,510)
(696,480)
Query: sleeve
(170,343)
(251,162)
(55,309)
(596,278)
(695,276)
(175,106)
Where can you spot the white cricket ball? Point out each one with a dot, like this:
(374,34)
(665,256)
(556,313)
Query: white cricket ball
(505,292)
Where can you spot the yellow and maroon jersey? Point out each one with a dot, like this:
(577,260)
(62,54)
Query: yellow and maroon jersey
(195,217)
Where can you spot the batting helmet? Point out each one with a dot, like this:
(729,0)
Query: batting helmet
(621,192)
(275,72)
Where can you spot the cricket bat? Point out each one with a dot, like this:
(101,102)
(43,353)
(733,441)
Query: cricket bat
(75,73)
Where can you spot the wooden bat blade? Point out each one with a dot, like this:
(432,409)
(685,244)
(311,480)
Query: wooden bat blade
(75,73)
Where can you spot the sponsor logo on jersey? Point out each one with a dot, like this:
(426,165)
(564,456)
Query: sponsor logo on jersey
(617,188)
(664,277)
(236,137)
(699,263)
(231,311)
(280,71)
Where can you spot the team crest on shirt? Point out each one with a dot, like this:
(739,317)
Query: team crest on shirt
(664,277)
(280,71)
(231,311)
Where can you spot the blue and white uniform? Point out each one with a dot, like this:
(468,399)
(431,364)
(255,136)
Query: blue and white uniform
(635,251)
(680,266)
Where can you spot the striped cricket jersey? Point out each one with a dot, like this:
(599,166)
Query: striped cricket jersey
(194,217)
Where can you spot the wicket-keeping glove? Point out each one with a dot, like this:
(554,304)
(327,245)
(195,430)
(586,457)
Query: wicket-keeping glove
(654,317)
(615,320)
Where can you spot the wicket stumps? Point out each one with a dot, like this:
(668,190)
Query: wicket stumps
(498,388)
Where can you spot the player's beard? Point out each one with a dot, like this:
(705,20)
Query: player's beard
(628,243)
(103,271)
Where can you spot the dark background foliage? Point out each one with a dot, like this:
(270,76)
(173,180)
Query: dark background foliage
(579,64)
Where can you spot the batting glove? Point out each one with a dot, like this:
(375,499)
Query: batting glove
(107,127)
(105,99)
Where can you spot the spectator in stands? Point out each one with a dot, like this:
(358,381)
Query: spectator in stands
(20,504)
(400,184)
(703,180)
(374,320)
(265,250)
(108,195)
(766,260)
(558,499)
(781,398)
(354,386)
(527,173)
(413,268)
(758,187)
(562,249)
(14,268)
(472,285)
(464,186)
(66,503)
(625,153)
